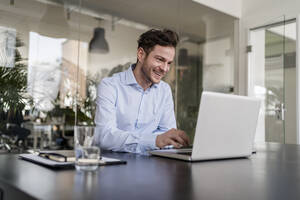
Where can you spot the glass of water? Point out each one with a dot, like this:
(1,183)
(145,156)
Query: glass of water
(87,155)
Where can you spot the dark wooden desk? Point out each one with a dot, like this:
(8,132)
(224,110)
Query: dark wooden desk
(272,173)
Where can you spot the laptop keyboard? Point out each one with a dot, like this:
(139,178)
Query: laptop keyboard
(187,150)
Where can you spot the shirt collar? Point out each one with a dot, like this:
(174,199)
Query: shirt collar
(130,78)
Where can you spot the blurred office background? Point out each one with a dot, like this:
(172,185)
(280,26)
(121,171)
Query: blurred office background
(54,53)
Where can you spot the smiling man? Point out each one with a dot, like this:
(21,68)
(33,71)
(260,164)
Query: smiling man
(135,109)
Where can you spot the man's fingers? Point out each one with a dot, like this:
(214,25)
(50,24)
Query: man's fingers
(179,139)
(180,136)
(184,136)
(175,144)
(171,141)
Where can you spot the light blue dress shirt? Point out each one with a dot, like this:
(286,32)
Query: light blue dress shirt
(128,118)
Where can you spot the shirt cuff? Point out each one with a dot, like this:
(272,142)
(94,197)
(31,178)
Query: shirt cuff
(148,142)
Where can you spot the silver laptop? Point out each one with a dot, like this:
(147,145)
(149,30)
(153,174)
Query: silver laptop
(225,128)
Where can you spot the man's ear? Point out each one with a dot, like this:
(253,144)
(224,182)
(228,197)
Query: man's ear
(141,54)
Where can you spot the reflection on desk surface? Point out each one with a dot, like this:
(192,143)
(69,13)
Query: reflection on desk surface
(272,173)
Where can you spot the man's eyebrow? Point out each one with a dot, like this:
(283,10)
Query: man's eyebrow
(158,56)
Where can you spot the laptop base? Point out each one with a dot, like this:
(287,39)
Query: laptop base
(178,156)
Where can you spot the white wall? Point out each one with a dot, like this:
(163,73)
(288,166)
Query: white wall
(256,12)
(230,7)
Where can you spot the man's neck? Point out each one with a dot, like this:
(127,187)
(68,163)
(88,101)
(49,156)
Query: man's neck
(140,77)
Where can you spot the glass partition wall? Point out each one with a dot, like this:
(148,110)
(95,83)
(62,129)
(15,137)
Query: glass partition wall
(54,53)
(272,78)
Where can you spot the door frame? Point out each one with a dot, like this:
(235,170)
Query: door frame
(298,75)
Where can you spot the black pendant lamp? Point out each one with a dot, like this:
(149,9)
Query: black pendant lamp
(98,44)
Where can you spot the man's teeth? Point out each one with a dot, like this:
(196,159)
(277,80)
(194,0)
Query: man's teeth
(157,74)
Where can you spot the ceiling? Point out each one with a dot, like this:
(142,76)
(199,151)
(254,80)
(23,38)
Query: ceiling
(193,21)
(187,17)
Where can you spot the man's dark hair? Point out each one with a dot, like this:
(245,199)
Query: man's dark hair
(154,37)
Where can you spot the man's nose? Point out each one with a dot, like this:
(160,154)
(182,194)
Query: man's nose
(165,67)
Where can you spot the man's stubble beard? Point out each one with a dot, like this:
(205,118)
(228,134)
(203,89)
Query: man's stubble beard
(148,79)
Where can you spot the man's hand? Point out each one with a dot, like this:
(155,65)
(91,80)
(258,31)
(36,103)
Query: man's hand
(177,138)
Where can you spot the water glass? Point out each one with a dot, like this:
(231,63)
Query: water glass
(87,155)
